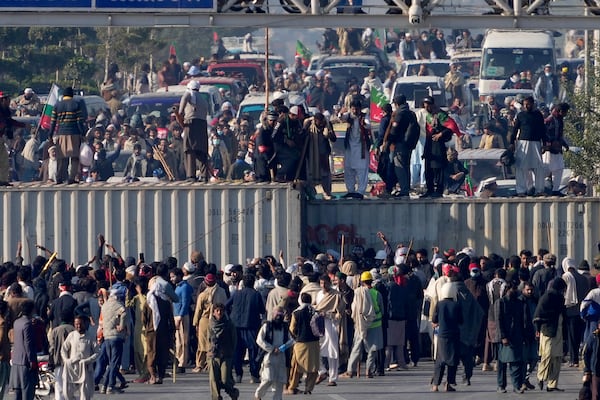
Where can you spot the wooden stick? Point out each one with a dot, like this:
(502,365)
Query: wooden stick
(342,251)
(163,161)
(52,257)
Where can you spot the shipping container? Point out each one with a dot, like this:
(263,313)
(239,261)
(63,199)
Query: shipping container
(567,227)
(227,222)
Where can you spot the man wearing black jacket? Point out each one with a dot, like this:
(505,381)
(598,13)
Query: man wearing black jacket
(246,307)
(530,131)
(402,143)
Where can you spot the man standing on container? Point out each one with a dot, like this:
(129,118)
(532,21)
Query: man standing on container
(193,108)
(69,115)
(530,131)
(357,144)
(434,153)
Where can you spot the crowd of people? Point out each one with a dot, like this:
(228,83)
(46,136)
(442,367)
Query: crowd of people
(308,320)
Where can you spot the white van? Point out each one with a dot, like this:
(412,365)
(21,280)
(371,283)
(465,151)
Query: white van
(506,51)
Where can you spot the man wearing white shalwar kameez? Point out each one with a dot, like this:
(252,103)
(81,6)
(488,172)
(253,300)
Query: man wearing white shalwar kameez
(271,336)
(330,304)
(357,144)
(78,353)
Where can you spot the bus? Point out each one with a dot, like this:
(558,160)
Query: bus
(506,51)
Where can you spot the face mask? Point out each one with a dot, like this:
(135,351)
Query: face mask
(219,133)
(216,142)
(95,156)
(547,73)
(474,274)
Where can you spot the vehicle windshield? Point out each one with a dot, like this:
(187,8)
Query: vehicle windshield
(469,67)
(415,91)
(253,111)
(501,63)
(156,107)
(249,74)
(433,69)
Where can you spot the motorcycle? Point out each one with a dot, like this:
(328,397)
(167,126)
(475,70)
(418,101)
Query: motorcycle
(46,379)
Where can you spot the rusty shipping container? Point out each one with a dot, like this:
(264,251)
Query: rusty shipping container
(567,227)
(227,222)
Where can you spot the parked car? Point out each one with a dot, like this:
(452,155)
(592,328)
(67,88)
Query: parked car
(254,103)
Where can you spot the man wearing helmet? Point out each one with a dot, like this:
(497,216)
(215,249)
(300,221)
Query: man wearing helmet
(194,109)
(367,308)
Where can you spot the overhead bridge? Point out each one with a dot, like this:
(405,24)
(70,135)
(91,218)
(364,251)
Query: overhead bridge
(502,14)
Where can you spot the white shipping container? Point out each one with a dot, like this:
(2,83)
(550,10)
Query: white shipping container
(567,227)
(227,222)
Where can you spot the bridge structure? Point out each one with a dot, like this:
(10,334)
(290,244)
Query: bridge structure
(419,14)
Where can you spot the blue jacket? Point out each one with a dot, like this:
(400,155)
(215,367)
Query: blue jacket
(184,291)
(246,307)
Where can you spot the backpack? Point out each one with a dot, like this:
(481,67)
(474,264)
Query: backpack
(317,324)
(413,132)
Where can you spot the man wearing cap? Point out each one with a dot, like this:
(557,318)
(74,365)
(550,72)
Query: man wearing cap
(264,152)
(320,136)
(546,87)
(63,305)
(27,104)
(289,143)
(434,152)
(367,309)
(542,277)
(371,81)
(213,294)
(194,109)
(357,144)
(407,48)
(181,315)
(67,129)
(454,81)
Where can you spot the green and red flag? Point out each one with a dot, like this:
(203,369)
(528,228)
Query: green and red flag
(378,42)
(304,53)
(446,121)
(468,183)
(378,100)
(55,93)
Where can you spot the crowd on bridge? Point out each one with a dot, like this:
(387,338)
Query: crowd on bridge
(309,319)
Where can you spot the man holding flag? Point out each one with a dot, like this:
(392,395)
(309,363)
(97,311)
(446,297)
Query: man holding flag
(434,154)
(67,129)
(304,53)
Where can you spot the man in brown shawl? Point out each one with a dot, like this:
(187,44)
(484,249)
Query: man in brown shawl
(320,134)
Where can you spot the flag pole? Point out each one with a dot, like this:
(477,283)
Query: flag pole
(267,68)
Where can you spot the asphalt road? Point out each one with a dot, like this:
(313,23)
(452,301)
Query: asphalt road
(411,384)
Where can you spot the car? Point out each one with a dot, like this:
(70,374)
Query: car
(252,73)
(160,104)
(254,103)
(258,57)
(415,88)
(235,89)
(437,67)
(365,60)
(343,74)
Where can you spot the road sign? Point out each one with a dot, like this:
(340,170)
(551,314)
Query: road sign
(110,5)
(187,5)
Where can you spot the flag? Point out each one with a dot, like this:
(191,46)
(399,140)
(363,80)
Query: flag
(378,100)
(55,93)
(468,182)
(447,122)
(304,53)
(172,51)
(377,40)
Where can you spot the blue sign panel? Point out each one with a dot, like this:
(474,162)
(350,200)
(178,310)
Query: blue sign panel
(69,4)
(148,5)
